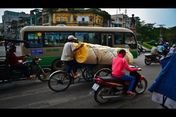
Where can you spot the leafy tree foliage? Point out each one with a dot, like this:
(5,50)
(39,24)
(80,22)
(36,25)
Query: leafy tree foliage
(147,32)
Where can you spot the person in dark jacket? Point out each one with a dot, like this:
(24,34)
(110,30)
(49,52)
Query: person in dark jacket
(15,62)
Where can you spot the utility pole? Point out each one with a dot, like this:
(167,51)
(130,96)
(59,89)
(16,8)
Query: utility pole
(116,18)
(161,36)
(116,14)
(125,11)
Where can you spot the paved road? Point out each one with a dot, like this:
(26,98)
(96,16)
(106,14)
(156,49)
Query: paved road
(35,94)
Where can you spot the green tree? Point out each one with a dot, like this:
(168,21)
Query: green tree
(149,33)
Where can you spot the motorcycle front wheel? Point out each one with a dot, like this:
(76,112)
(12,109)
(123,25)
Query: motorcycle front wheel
(141,86)
(103,72)
(44,75)
(100,93)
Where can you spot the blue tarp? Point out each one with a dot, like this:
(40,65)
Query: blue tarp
(165,83)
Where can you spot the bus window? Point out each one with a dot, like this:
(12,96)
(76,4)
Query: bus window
(107,39)
(110,40)
(83,36)
(80,36)
(130,40)
(86,38)
(34,40)
(119,39)
(96,39)
(89,37)
(63,37)
(52,39)
(103,39)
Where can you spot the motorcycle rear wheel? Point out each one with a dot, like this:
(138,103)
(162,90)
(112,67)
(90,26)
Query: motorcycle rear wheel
(102,91)
(148,62)
(87,74)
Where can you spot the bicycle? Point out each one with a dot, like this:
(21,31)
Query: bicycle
(60,80)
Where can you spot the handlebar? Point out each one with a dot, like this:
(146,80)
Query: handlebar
(135,66)
(139,69)
(37,59)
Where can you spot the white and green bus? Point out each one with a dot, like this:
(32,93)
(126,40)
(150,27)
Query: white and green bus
(47,42)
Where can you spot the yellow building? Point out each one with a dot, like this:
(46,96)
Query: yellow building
(75,18)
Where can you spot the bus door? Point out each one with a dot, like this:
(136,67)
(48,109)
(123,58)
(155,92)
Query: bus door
(107,39)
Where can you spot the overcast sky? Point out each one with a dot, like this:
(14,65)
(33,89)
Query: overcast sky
(166,16)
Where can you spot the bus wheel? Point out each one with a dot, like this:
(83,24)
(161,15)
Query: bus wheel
(57,65)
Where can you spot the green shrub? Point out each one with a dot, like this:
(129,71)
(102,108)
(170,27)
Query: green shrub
(148,46)
(152,42)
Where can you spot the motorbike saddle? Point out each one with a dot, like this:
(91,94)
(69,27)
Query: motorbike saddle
(112,79)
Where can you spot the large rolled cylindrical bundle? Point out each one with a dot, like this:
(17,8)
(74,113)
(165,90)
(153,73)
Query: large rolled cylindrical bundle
(85,54)
(98,54)
(104,55)
(91,56)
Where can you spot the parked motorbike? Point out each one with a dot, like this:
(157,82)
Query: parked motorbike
(149,58)
(9,74)
(107,88)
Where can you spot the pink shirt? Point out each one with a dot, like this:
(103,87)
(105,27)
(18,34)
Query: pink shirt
(119,64)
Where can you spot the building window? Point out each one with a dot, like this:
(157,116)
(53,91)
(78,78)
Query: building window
(69,18)
(74,18)
(120,19)
(83,19)
(62,19)
(91,18)
(46,19)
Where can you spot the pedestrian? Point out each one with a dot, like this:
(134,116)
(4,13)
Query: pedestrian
(172,49)
(133,22)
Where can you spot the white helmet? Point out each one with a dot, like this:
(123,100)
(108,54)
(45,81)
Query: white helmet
(71,37)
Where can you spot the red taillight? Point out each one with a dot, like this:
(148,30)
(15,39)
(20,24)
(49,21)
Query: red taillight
(97,79)
(142,77)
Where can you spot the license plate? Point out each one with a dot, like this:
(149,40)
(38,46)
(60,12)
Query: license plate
(95,86)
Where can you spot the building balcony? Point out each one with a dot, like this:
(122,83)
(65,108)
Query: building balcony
(83,23)
(60,22)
